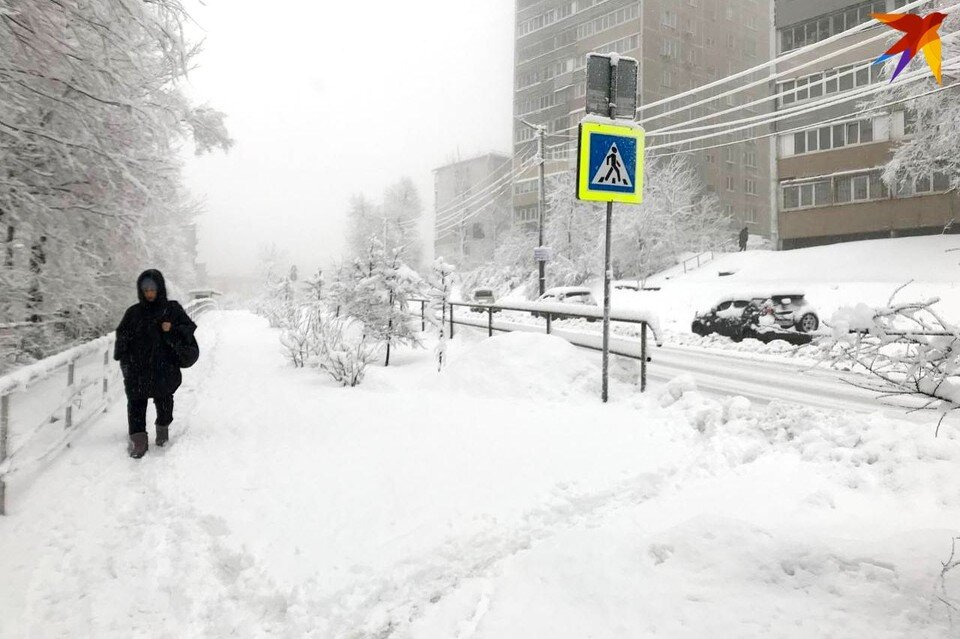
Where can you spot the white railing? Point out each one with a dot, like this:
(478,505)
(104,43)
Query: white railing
(43,404)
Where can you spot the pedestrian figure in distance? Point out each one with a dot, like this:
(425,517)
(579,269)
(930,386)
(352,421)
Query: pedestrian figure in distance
(154,341)
(613,161)
(744,238)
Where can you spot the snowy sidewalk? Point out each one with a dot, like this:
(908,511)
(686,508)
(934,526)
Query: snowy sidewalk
(499,499)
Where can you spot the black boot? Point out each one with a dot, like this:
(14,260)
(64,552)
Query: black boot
(163,434)
(138,445)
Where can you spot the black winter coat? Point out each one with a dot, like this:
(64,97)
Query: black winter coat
(148,356)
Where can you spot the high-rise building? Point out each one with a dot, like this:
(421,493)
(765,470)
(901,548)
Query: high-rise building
(680,45)
(829,160)
(472,209)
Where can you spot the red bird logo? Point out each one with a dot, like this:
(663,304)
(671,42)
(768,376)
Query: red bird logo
(922,35)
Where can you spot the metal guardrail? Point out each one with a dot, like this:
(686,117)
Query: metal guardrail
(548,311)
(84,382)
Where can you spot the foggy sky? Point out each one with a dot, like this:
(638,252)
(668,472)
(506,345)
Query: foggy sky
(326,99)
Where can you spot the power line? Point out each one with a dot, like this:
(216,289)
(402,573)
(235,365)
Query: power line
(778,116)
(784,57)
(807,127)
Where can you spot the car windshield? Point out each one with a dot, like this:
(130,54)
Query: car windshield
(577,298)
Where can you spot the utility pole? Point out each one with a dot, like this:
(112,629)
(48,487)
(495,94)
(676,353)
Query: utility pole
(540,256)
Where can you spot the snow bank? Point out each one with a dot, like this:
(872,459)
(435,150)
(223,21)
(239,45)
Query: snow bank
(527,365)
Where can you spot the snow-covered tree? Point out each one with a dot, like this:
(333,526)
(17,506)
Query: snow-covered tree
(403,209)
(575,232)
(676,216)
(92,116)
(381,296)
(441,285)
(933,121)
(343,349)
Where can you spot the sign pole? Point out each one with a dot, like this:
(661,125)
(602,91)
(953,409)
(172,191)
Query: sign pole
(543,205)
(607,267)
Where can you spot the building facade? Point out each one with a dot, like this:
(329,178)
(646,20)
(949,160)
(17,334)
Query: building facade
(472,209)
(680,44)
(829,161)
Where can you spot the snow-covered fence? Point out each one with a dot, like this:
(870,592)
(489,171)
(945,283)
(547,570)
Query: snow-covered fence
(468,311)
(66,391)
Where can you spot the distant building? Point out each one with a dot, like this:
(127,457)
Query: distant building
(829,188)
(472,209)
(680,45)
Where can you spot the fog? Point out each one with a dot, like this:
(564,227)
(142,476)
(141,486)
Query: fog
(326,100)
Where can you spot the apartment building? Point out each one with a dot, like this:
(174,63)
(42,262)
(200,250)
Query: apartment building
(472,209)
(829,161)
(680,44)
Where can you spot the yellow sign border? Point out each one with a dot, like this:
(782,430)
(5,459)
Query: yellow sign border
(587,129)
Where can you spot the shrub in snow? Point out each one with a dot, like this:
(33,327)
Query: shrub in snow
(343,349)
(298,336)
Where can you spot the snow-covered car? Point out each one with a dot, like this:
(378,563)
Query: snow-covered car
(484,298)
(733,317)
(567,295)
(792,311)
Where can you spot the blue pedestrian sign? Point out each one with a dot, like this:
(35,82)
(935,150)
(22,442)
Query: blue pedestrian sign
(610,164)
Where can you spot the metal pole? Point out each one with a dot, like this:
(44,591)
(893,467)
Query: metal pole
(605,393)
(4,425)
(489,321)
(451,321)
(423,317)
(643,357)
(543,206)
(68,422)
(549,328)
(106,374)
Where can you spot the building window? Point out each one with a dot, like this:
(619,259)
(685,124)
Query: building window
(731,183)
(750,186)
(750,159)
(833,137)
(666,79)
(840,189)
(668,19)
(750,217)
(822,27)
(834,81)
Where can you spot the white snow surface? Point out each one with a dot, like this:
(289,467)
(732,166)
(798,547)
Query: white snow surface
(496,499)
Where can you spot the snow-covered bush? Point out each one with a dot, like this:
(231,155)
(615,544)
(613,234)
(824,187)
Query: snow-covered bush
(299,333)
(342,348)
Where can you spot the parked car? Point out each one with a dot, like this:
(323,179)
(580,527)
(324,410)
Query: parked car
(567,295)
(792,311)
(735,318)
(484,297)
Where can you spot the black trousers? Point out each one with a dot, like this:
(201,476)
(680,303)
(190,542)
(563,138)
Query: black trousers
(137,412)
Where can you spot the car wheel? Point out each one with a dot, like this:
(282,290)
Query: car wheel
(808,323)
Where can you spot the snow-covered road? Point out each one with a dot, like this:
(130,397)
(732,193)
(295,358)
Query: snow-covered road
(720,372)
(499,499)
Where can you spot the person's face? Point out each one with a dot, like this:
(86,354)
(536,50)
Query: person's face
(150,294)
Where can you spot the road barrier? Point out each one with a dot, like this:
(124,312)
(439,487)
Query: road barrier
(632,349)
(66,390)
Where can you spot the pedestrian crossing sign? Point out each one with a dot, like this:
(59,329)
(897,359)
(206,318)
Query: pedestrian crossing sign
(610,163)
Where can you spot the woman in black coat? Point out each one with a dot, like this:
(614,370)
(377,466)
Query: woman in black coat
(154,339)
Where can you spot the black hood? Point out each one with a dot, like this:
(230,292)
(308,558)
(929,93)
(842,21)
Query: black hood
(157,277)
